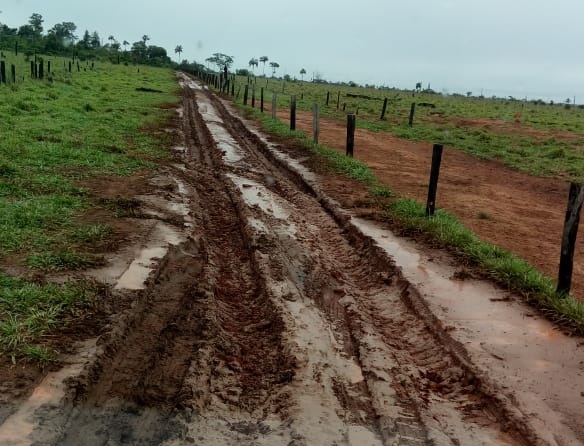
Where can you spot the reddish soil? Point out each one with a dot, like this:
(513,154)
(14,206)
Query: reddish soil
(505,127)
(516,211)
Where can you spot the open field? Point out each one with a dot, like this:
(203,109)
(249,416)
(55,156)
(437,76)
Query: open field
(58,137)
(539,139)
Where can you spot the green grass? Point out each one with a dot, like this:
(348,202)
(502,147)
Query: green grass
(543,156)
(500,265)
(30,311)
(56,133)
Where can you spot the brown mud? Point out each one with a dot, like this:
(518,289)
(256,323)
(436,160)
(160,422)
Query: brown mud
(266,318)
(519,212)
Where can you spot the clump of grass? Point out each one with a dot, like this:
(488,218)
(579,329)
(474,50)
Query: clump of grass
(29,311)
(63,260)
(123,206)
(484,216)
(91,234)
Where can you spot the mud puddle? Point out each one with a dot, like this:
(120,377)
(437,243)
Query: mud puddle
(527,355)
(269,321)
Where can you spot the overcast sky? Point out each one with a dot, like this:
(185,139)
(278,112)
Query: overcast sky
(521,48)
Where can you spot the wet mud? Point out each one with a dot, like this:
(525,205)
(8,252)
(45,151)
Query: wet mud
(262,315)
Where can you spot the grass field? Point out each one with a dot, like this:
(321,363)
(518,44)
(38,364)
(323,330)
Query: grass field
(540,139)
(56,132)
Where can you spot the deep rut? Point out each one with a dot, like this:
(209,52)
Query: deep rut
(274,323)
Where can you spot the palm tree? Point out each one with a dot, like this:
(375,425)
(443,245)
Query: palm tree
(253,63)
(178,50)
(264,59)
(274,65)
(145,38)
(125,43)
(302,73)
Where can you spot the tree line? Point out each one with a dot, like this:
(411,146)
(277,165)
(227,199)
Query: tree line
(62,40)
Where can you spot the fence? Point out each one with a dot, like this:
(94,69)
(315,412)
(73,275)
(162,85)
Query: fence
(575,201)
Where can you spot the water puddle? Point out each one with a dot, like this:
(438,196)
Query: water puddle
(226,143)
(520,350)
(256,194)
(135,276)
(17,429)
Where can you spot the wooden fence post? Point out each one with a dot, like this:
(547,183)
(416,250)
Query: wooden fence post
(383,109)
(315,123)
(273,105)
(245,91)
(49,67)
(69,66)
(412,111)
(328,95)
(41,69)
(571,222)
(232,88)
(338,99)
(253,96)
(32,69)
(434,174)
(3,72)
(13,71)
(351,121)
(293,113)
(262,99)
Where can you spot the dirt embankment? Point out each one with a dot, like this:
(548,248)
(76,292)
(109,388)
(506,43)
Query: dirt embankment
(270,320)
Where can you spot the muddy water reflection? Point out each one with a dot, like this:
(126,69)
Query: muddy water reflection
(520,350)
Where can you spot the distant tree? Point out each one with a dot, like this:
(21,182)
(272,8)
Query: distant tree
(274,66)
(253,63)
(242,72)
(302,73)
(86,40)
(145,38)
(263,60)
(178,50)
(468,94)
(221,60)
(95,40)
(418,87)
(36,21)
(125,43)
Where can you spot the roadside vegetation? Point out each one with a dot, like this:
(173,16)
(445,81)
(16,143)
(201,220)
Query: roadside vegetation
(531,136)
(57,134)
(446,231)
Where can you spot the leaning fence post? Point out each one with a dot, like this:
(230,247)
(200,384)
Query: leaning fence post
(434,174)
(315,123)
(245,91)
(571,222)
(383,109)
(293,112)
(350,134)
(328,95)
(412,111)
(273,105)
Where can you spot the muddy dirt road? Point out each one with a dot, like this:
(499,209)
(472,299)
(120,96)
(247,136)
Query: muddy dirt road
(269,321)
